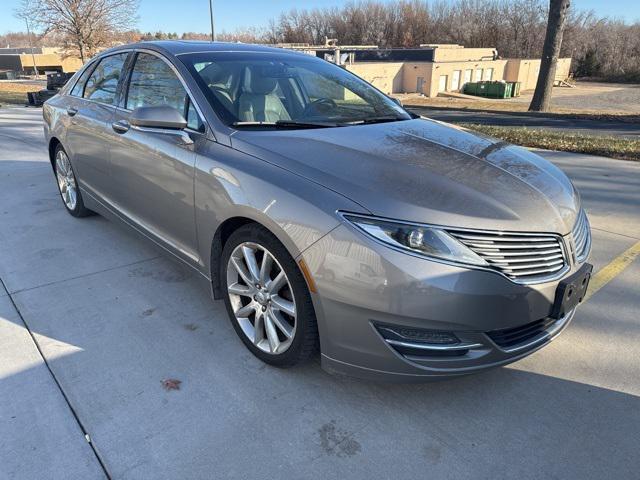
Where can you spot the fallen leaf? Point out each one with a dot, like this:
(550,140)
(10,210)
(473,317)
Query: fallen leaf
(171,384)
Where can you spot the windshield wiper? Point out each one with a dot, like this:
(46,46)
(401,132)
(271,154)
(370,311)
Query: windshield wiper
(367,121)
(287,124)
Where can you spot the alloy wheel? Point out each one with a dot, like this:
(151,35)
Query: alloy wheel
(66,180)
(261,298)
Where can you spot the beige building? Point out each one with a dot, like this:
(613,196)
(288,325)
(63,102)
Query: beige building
(21,60)
(449,68)
(526,71)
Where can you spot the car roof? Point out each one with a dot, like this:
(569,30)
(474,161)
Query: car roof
(178,47)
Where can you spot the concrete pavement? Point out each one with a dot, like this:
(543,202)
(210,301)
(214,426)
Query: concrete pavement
(114,317)
(39,436)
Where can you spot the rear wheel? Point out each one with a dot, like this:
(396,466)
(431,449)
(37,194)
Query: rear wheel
(68,185)
(267,297)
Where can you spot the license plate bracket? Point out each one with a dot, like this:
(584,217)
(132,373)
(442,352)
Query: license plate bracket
(571,291)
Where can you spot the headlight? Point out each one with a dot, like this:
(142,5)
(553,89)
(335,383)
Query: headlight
(418,239)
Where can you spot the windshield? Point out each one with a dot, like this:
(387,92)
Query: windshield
(262,89)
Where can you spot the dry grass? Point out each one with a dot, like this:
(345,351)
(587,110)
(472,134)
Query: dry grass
(20,87)
(12,98)
(15,93)
(614,147)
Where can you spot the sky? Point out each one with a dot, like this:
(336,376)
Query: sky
(193,15)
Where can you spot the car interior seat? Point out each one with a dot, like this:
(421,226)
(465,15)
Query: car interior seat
(258,101)
(217,79)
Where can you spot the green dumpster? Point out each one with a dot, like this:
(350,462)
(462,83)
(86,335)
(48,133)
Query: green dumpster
(482,89)
(508,90)
(470,88)
(498,90)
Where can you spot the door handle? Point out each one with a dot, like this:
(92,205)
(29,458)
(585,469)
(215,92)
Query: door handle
(72,111)
(121,126)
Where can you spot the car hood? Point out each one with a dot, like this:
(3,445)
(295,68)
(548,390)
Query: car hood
(426,171)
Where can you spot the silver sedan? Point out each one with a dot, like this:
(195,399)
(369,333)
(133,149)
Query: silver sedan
(326,216)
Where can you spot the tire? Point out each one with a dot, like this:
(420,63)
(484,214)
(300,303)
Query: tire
(68,184)
(267,303)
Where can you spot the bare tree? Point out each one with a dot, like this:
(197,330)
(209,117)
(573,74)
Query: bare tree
(85,26)
(550,52)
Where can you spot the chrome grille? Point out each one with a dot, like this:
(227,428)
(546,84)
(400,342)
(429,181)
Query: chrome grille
(581,234)
(524,258)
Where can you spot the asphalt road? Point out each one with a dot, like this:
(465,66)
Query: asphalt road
(113,318)
(512,119)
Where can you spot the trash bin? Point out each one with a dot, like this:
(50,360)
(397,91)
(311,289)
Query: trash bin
(482,89)
(470,88)
(516,89)
(508,90)
(497,90)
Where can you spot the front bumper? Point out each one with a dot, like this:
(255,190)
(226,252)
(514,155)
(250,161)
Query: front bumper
(363,287)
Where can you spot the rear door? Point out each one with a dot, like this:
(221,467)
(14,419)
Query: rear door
(91,109)
(152,171)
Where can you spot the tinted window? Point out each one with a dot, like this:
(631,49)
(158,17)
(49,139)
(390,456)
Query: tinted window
(153,82)
(103,81)
(193,119)
(78,88)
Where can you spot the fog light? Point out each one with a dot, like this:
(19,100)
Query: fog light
(417,335)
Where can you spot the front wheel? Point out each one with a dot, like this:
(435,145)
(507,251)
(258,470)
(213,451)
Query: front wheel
(68,185)
(267,297)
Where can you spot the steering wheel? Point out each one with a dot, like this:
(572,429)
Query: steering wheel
(319,105)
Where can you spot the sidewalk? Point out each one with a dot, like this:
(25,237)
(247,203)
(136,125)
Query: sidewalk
(39,436)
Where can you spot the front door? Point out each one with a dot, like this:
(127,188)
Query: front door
(154,170)
(442,85)
(455,80)
(468,74)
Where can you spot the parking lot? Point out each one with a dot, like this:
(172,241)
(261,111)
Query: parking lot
(93,320)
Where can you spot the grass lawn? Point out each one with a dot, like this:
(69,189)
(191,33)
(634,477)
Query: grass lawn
(614,147)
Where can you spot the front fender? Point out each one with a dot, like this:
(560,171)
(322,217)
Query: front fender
(231,184)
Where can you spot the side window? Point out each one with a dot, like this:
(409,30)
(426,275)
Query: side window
(193,119)
(78,88)
(153,82)
(103,81)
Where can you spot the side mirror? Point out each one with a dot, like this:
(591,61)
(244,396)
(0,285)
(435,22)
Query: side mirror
(158,117)
(397,101)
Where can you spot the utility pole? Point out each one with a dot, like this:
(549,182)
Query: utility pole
(213,35)
(33,57)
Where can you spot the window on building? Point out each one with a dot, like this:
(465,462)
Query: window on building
(488,74)
(103,81)
(478,75)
